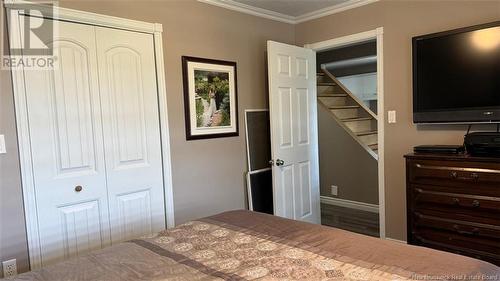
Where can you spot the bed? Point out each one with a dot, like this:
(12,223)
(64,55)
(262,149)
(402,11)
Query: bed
(243,245)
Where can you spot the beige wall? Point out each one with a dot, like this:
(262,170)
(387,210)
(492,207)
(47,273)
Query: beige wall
(401,21)
(208,175)
(341,160)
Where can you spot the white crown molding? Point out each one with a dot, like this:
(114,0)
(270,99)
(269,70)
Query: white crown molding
(351,4)
(268,14)
(251,10)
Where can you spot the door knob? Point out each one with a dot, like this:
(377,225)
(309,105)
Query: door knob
(78,188)
(279,162)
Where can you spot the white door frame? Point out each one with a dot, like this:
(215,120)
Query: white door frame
(378,35)
(28,187)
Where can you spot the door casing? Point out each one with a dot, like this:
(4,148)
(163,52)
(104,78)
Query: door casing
(19,90)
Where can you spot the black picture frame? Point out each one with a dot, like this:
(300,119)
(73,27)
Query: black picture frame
(189,94)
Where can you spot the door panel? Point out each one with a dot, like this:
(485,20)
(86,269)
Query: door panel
(82,225)
(67,148)
(305,189)
(127,107)
(285,115)
(294,140)
(134,214)
(286,199)
(303,116)
(131,133)
(71,108)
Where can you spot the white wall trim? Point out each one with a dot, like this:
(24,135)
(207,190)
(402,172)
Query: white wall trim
(351,4)
(164,127)
(24,146)
(268,14)
(29,198)
(378,35)
(372,208)
(250,10)
(381,128)
(396,240)
(345,40)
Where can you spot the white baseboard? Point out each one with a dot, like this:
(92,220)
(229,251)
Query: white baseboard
(373,208)
(396,240)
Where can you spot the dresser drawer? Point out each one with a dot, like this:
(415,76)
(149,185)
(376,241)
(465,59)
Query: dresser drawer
(479,244)
(470,251)
(427,197)
(465,228)
(455,174)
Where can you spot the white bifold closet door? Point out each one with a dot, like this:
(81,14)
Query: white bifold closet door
(131,124)
(95,141)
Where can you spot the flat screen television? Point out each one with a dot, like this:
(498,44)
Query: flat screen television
(456,76)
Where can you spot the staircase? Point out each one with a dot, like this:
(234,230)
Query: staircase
(348,111)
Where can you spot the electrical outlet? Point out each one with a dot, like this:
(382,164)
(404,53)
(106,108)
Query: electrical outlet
(335,190)
(9,268)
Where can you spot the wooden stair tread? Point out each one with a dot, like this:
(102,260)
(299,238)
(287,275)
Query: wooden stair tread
(366,133)
(343,106)
(320,74)
(325,84)
(373,146)
(356,119)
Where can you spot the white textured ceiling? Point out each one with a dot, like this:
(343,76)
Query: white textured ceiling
(292,8)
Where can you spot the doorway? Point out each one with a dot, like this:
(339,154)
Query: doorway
(351,132)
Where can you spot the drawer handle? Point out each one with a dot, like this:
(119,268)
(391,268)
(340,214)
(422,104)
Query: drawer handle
(476,204)
(473,176)
(474,231)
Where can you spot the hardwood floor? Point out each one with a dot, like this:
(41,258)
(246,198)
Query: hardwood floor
(350,219)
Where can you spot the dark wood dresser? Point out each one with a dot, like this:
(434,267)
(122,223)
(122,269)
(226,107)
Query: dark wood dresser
(453,204)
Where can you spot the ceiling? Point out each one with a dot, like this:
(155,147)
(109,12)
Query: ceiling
(289,11)
(292,8)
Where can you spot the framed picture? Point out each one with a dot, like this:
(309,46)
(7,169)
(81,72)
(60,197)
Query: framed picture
(210,98)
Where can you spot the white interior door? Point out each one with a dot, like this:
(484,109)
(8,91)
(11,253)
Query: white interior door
(294,131)
(67,147)
(129,96)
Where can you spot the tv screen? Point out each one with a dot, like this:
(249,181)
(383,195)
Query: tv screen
(456,75)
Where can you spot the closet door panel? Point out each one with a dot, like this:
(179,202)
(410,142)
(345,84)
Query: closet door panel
(127,75)
(67,147)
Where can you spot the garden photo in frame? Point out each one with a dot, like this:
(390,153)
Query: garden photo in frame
(210,98)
